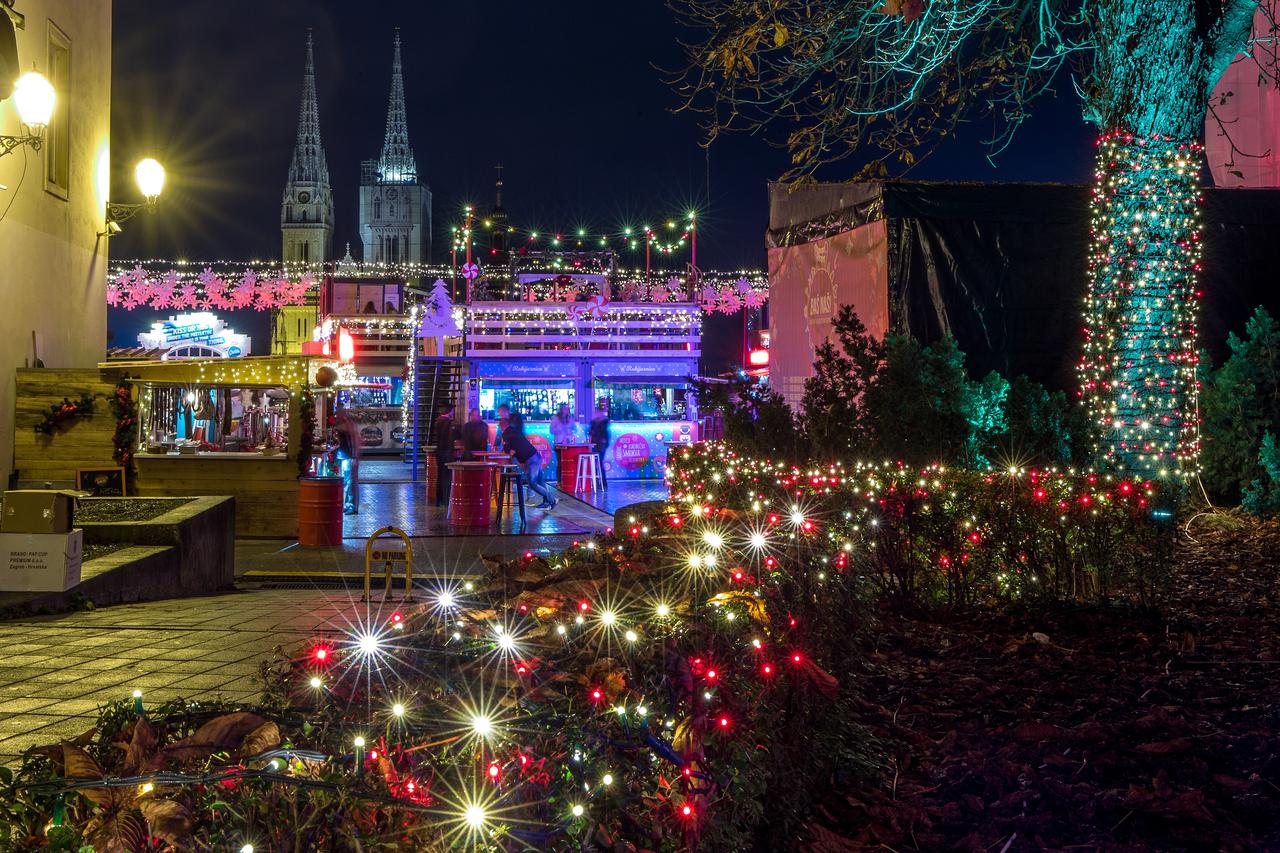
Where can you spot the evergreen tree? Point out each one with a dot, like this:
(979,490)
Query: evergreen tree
(1241,403)
(833,405)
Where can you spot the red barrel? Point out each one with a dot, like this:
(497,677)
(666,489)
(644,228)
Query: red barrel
(470,493)
(568,454)
(320,511)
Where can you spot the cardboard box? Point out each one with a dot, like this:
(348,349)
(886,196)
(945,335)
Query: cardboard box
(37,511)
(40,562)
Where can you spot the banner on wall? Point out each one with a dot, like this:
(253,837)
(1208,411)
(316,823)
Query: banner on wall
(807,285)
(197,335)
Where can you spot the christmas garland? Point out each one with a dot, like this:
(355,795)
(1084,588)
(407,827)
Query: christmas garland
(61,413)
(125,437)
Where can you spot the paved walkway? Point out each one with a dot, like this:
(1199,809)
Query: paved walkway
(57,670)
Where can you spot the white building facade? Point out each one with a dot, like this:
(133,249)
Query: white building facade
(53,264)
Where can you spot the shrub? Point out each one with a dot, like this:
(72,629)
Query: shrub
(934,534)
(1263,495)
(1240,403)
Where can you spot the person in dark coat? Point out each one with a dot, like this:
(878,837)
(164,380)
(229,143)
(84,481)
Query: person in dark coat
(515,440)
(598,436)
(475,437)
(446,433)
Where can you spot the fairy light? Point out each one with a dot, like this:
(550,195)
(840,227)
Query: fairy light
(1138,369)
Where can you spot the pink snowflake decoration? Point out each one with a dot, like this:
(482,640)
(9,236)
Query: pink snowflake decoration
(659,293)
(708,300)
(113,294)
(729,301)
(753,299)
(141,287)
(187,297)
(161,295)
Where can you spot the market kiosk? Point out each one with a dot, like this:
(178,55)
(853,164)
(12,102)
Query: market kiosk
(637,357)
(241,427)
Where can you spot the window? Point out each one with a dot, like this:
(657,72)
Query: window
(57,140)
(377,208)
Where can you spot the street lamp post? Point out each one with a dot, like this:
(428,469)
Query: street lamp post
(34,97)
(150,177)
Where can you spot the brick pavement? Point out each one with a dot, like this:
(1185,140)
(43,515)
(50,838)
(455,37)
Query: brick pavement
(57,670)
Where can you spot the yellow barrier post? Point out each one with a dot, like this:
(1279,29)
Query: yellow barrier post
(388,558)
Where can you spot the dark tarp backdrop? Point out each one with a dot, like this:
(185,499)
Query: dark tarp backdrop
(1002,267)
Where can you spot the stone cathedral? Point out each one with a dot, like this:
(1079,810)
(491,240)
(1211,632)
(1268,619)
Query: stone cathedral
(395,205)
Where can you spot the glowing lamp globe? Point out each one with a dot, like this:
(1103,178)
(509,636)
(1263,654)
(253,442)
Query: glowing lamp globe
(34,98)
(150,177)
(346,347)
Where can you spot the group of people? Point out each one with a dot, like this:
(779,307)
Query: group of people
(473,437)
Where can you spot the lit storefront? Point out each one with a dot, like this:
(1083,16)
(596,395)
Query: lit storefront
(636,358)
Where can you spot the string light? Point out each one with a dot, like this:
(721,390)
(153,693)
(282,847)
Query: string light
(1138,370)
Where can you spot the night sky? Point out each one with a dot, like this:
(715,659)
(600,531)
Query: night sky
(567,96)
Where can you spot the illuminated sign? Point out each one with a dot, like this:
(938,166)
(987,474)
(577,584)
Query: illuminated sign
(646,369)
(758,357)
(197,335)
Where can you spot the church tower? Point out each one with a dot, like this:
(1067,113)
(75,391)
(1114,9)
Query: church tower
(499,229)
(306,213)
(395,207)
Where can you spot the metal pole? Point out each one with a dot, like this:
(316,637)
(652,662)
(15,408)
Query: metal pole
(648,238)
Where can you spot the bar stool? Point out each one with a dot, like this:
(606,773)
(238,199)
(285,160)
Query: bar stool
(588,478)
(511,480)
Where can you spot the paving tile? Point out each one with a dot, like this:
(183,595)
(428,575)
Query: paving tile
(21,705)
(202,682)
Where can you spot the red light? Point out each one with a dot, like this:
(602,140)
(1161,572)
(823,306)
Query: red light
(524,760)
(396,617)
(766,669)
(321,654)
(596,695)
(409,786)
(346,347)
(724,722)
(373,755)
(758,357)
(528,555)
(584,606)
(494,771)
(635,531)
(523,608)
(711,675)
(687,811)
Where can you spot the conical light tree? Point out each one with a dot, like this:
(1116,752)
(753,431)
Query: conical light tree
(898,75)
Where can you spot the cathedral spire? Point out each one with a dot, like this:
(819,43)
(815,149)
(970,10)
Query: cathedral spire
(396,164)
(308,155)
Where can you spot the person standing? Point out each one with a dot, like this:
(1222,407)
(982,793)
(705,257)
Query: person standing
(348,435)
(514,440)
(562,425)
(445,433)
(561,431)
(475,436)
(598,435)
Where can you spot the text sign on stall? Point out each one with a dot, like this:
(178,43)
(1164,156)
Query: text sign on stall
(524,368)
(642,369)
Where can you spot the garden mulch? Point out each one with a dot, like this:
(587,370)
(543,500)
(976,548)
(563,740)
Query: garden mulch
(1117,729)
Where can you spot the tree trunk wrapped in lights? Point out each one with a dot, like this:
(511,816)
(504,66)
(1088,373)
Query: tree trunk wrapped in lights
(899,76)
(1155,64)
(1138,372)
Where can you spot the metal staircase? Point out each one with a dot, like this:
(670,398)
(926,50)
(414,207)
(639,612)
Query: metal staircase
(436,380)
